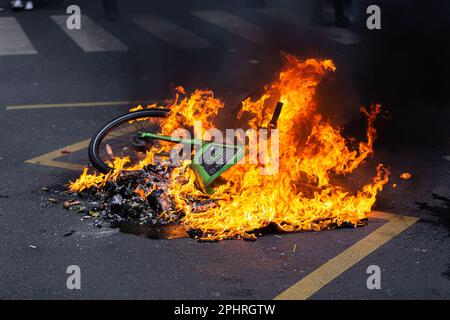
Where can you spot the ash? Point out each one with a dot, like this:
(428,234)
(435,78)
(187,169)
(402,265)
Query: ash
(138,198)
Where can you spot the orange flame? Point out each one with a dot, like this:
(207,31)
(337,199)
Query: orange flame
(405,176)
(302,195)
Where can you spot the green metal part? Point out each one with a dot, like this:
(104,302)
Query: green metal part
(194,142)
(210,161)
(213,159)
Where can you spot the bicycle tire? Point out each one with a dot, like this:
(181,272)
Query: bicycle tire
(93,149)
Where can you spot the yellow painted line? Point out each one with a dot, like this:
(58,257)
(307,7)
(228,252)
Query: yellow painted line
(60,164)
(77,105)
(48,159)
(329,271)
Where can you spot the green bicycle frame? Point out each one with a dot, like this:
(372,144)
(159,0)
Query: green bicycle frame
(211,159)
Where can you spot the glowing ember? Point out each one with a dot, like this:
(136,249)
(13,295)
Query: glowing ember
(405,176)
(301,196)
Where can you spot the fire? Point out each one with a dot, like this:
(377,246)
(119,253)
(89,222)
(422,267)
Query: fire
(405,176)
(200,106)
(303,195)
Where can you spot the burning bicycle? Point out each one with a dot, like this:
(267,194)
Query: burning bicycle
(303,195)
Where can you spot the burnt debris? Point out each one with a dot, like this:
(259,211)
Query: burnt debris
(136,196)
(137,200)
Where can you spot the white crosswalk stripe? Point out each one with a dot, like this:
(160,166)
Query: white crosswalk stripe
(91,37)
(340,35)
(284,15)
(171,33)
(447,158)
(233,24)
(13,40)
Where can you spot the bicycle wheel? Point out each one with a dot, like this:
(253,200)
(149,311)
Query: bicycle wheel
(119,138)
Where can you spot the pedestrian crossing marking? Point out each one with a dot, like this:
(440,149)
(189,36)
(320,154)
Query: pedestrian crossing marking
(91,37)
(342,35)
(13,39)
(233,24)
(333,268)
(284,14)
(171,33)
(50,159)
(79,104)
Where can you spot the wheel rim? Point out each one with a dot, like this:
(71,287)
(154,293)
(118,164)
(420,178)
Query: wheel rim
(118,141)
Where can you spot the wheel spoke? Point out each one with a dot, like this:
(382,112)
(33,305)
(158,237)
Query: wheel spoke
(120,139)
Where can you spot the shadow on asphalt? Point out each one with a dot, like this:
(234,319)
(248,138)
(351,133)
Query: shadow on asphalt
(442,212)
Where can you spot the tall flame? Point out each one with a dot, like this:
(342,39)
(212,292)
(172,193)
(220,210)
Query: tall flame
(302,195)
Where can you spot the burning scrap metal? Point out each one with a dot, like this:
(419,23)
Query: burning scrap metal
(302,196)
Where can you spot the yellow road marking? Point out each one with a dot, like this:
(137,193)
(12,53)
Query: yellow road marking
(326,273)
(317,279)
(48,159)
(77,105)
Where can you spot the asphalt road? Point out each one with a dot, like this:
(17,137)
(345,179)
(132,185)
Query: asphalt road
(35,249)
